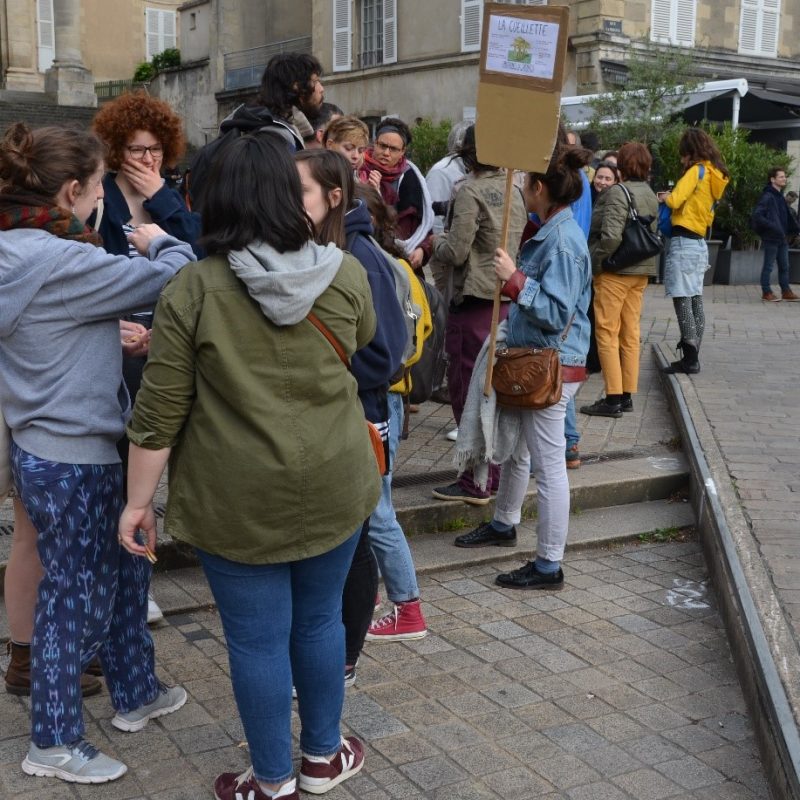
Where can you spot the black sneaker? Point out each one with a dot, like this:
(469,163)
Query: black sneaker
(602,408)
(349,676)
(627,404)
(455,492)
(528,578)
(486,536)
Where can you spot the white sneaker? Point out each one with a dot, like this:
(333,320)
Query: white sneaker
(154,613)
(452,435)
(78,762)
(169,699)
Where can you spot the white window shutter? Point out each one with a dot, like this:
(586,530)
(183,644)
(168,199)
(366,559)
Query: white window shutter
(749,26)
(661,20)
(46,34)
(342,35)
(471,20)
(152,32)
(685,22)
(770,27)
(389,31)
(168,30)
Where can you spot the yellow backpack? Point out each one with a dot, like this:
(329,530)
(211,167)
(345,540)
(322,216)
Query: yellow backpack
(424,328)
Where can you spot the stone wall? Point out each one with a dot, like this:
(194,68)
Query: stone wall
(16,107)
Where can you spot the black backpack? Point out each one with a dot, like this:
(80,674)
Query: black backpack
(427,375)
(243,120)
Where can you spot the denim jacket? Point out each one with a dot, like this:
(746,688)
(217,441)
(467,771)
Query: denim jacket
(558,282)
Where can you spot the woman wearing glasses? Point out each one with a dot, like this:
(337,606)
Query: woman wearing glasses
(402,186)
(142,135)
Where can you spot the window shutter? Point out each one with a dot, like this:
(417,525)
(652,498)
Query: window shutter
(471,19)
(660,20)
(770,27)
(685,23)
(342,35)
(748,26)
(46,34)
(152,32)
(168,30)
(389,31)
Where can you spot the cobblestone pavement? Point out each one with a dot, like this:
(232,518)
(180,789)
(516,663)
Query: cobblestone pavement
(621,686)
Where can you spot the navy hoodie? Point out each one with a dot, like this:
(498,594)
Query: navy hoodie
(375,364)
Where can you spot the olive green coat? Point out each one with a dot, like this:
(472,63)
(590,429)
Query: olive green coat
(271,458)
(609,216)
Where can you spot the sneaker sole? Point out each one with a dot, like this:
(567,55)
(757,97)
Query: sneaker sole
(551,587)
(42,771)
(473,501)
(395,637)
(132,727)
(302,783)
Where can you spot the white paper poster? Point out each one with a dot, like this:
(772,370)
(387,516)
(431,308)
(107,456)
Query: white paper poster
(521,47)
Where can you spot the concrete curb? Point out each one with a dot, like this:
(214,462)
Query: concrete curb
(763,648)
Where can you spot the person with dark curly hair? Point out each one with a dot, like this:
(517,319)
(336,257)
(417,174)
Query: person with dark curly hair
(141,134)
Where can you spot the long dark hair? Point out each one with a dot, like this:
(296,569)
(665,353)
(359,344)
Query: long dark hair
(253,194)
(384,219)
(330,170)
(469,152)
(698,146)
(35,164)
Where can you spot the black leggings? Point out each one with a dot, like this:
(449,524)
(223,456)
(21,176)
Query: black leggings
(358,597)
(691,318)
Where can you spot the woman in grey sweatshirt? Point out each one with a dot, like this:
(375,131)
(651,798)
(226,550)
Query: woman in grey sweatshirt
(61,390)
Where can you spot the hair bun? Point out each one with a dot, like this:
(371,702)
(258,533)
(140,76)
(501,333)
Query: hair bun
(16,151)
(575,157)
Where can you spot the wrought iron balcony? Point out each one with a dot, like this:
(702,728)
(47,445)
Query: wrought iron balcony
(243,68)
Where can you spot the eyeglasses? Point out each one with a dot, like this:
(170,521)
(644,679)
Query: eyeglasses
(137,151)
(389,148)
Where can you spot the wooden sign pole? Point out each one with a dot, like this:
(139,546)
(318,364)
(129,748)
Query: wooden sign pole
(487,387)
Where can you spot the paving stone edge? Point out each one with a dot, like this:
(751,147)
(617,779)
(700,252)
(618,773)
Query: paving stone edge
(764,650)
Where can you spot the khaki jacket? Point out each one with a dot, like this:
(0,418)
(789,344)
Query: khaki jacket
(271,458)
(468,247)
(608,222)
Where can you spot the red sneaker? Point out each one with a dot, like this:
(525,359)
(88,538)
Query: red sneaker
(230,786)
(404,622)
(318,775)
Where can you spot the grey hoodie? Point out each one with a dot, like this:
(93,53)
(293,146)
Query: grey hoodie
(61,386)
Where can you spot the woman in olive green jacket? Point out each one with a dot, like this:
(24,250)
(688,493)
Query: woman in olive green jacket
(271,468)
(618,295)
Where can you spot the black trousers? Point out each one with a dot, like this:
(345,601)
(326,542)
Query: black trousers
(358,597)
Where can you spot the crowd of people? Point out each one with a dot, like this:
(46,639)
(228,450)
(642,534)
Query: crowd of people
(251,331)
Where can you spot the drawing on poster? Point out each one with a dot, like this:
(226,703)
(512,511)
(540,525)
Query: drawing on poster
(522,47)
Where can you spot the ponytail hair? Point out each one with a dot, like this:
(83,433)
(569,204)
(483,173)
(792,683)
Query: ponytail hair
(563,177)
(37,163)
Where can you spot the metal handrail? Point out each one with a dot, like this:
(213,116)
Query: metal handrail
(243,68)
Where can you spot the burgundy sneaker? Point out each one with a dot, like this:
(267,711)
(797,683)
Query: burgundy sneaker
(230,786)
(404,621)
(318,775)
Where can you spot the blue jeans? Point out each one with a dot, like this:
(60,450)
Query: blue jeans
(571,424)
(284,622)
(92,598)
(775,252)
(386,537)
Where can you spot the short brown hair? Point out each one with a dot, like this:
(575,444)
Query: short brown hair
(634,161)
(117,121)
(346,129)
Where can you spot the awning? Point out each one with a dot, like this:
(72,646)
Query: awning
(578,112)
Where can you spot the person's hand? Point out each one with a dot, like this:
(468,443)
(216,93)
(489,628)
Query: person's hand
(134,520)
(135,338)
(662,196)
(504,267)
(145,179)
(415,258)
(143,235)
(374,178)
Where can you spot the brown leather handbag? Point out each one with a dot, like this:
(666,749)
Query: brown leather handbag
(379,447)
(528,377)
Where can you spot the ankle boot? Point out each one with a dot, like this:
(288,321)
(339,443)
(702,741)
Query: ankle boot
(688,363)
(18,674)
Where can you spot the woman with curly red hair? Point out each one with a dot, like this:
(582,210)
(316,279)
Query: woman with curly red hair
(141,135)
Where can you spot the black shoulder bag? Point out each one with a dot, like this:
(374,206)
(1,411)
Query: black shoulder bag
(638,240)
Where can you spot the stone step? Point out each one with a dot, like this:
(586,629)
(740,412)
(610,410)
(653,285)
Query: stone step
(179,591)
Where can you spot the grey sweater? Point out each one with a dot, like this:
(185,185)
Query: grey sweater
(61,386)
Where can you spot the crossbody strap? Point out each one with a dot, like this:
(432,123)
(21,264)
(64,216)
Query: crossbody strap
(334,342)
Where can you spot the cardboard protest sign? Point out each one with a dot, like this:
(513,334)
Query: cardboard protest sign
(523,49)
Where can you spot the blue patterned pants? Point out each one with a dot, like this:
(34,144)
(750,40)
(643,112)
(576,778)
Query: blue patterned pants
(92,599)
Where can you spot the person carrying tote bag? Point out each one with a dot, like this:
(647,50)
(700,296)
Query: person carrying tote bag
(618,295)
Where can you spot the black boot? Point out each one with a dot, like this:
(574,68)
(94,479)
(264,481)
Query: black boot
(688,364)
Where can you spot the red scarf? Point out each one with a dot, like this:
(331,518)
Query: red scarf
(19,212)
(390,176)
